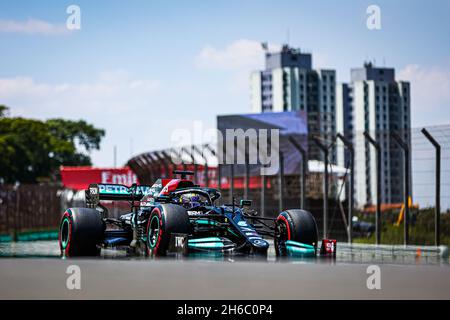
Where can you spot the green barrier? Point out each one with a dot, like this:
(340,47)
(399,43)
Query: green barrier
(5,238)
(30,236)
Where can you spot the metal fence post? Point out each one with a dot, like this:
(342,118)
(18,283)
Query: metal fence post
(303,171)
(247,175)
(377,147)
(231,195)
(437,209)
(325,150)
(263,195)
(281,183)
(405,148)
(219,176)
(351,183)
(219,166)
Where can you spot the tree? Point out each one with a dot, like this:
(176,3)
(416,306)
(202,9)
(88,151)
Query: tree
(3,110)
(26,144)
(75,133)
(33,149)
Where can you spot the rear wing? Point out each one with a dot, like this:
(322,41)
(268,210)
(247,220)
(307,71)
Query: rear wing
(118,192)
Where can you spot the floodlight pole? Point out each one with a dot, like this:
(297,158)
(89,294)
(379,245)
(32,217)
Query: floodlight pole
(377,147)
(263,194)
(304,168)
(325,150)
(437,205)
(405,148)
(351,183)
(281,183)
(247,175)
(231,182)
(231,195)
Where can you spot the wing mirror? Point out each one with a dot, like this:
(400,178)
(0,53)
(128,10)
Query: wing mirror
(163,199)
(246,207)
(245,204)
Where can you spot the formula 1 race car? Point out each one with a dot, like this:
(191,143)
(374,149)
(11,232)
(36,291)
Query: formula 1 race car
(175,215)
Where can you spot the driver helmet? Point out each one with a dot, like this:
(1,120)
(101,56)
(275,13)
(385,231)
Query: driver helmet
(190,200)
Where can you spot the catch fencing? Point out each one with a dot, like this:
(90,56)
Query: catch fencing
(29,207)
(378,176)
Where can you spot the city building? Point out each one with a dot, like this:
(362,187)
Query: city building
(374,101)
(289,83)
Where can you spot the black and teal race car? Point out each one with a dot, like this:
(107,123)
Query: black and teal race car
(175,215)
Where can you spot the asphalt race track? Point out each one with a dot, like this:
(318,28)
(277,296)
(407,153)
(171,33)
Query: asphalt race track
(138,279)
(225,278)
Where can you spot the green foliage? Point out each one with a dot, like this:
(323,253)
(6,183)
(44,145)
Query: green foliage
(421,229)
(32,149)
(67,134)
(87,135)
(3,110)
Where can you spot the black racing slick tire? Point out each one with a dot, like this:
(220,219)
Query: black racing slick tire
(165,220)
(296,225)
(80,232)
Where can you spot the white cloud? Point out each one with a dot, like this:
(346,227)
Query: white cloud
(114,101)
(113,90)
(242,54)
(239,58)
(429,82)
(321,61)
(430,93)
(32,27)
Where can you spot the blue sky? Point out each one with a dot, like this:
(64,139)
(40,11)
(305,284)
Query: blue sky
(141,69)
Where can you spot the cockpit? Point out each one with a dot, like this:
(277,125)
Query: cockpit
(191,198)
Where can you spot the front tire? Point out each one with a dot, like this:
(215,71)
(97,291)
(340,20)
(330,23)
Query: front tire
(295,225)
(165,220)
(80,232)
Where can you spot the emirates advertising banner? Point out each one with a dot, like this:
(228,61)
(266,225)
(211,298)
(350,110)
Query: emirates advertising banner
(79,178)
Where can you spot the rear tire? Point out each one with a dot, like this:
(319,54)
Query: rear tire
(80,231)
(165,220)
(296,225)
